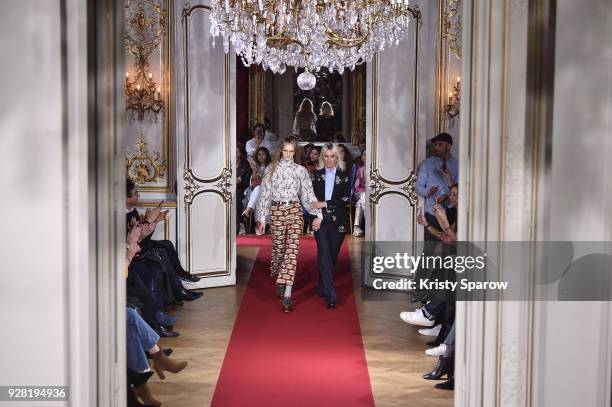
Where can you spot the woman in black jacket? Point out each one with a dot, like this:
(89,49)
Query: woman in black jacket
(332,187)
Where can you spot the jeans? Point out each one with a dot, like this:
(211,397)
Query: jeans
(140,337)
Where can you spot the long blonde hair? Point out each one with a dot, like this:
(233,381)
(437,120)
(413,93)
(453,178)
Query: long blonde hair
(327,110)
(336,151)
(304,122)
(279,152)
(306,106)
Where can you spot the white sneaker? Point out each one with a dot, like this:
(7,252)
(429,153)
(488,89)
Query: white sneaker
(242,229)
(357,232)
(437,351)
(416,318)
(431,331)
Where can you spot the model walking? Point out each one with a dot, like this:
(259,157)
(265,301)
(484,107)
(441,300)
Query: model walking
(285,184)
(333,189)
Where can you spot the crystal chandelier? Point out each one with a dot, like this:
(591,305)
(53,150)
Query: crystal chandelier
(336,34)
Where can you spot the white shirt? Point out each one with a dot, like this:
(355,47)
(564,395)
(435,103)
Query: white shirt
(251,146)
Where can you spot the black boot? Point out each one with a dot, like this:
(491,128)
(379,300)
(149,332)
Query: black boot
(444,366)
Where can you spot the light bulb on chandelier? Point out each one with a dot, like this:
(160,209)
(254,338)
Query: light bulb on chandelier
(306,80)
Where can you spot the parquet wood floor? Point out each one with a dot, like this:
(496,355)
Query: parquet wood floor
(394,350)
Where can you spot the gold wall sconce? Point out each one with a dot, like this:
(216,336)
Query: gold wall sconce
(452,108)
(145,26)
(142,95)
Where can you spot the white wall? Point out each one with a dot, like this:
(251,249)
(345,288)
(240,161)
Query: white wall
(529,176)
(33,178)
(56,236)
(572,365)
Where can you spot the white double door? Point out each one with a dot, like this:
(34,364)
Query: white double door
(205,128)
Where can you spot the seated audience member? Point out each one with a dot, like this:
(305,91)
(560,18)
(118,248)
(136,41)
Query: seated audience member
(139,295)
(441,306)
(156,253)
(347,157)
(433,178)
(243,175)
(258,140)
(306,153)
(141,339)
(359,190)
(258,168)
(152,217)
(312,161)
(448,216)
(445,364)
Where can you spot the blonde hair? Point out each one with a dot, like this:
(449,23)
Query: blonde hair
(279,152)
(336,151)
(306,106)
(326,107)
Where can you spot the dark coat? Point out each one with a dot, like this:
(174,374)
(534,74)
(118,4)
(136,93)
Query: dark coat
(336,206)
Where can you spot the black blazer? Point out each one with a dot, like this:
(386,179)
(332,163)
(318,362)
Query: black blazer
(336,206)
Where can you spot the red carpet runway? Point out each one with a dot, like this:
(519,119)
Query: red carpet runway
(311,357)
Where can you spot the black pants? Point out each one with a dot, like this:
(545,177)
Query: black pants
(135,287)
(171,253)
(158,274)
(329,241)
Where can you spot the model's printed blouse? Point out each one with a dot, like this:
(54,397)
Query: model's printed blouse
(290,182)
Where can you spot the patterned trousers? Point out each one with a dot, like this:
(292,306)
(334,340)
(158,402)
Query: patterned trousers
(286,226)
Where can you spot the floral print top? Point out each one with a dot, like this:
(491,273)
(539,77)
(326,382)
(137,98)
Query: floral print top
(290,182)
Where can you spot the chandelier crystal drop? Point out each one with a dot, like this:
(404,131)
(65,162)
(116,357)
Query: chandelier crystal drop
(310,34)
